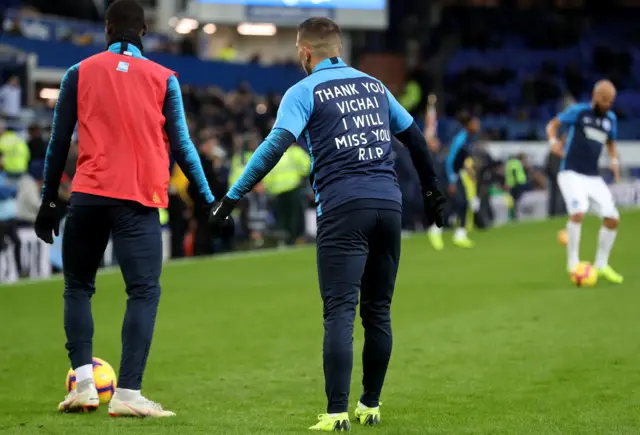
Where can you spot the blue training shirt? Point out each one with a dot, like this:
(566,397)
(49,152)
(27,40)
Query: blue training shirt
(346,120)
(588,132)
(459,150)
(66,117)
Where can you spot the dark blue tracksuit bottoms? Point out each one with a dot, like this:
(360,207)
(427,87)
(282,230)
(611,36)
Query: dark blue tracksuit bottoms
(358,252)
(137,243)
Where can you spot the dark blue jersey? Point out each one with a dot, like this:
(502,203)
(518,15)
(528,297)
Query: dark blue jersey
(588,132)
(346,119)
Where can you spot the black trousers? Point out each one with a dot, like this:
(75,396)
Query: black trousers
(288,211)
(358,252)
(458,204)
(137,242)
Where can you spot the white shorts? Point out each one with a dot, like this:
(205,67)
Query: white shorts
(582,191)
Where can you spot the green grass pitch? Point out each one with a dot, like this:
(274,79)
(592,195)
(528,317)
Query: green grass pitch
(493,340)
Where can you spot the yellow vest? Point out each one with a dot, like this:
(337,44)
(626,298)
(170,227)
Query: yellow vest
(238,162)
(16,153)
(292,167)
(227,54)
(181,184)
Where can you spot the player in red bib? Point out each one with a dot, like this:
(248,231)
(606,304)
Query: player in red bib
(130,118)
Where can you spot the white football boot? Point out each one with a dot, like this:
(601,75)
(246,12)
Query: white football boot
(137,407)
(83,399)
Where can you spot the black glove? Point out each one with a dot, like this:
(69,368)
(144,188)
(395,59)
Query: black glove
(47,222)
(220,217)
(434,205)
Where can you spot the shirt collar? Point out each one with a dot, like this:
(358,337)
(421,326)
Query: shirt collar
(117,46)
(330,62)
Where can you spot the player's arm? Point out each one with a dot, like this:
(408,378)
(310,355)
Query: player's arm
(611,148)
(404,128)
(450,161)
(65,117)
(293,116)
(567,117)
(182,148)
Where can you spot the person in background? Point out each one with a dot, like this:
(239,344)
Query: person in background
(29,194)
(8,228)
(515,179)
(457,154)
(552,169)
(179,210)
(15,151)
(283,182)
(411,95)
(227,53)
(37,145)
(256,215)
(204,240)
(11,98)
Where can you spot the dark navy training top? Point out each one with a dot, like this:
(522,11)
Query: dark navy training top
(346,120)
(588,132)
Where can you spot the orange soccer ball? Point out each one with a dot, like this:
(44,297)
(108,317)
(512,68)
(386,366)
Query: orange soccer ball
(104,377)
(563,237)
(584,275)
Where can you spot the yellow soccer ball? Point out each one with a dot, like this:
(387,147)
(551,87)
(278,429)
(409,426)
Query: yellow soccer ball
(104,377)
(563,238)
(584,275)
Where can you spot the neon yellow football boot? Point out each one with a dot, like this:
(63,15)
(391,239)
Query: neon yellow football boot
(462,241)
(435,238)
(610,275)
(332,423)
(367,416)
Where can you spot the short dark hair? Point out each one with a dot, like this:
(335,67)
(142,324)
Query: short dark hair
(322,33)
(125,15)
(464,118)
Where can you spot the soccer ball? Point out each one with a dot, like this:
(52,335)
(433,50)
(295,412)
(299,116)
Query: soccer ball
(104,377)
(563,238)
(584,275)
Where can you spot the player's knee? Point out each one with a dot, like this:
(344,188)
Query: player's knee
(611,222)
(149,290)
(577,218)
(78,285)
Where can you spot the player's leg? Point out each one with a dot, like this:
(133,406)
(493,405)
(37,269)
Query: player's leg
(573,189)
(85,237)
(603,200)
(137,240)
(378,283)
(461,207)
(341,255)
(434,233)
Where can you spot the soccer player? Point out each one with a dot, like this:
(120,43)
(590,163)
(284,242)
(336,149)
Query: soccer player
(129,113)
(591,125)
(347,119)
(457,154)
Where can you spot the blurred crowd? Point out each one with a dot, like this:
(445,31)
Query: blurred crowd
(226,129)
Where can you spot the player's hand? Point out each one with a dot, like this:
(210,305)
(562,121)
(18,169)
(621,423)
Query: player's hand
(434,205)
(557,147)
(615,169)
(220,217)
(47,222)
